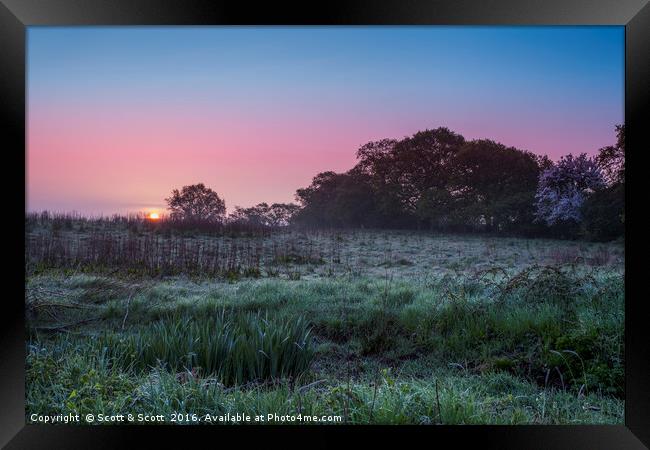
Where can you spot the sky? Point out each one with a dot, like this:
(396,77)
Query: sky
(117,117)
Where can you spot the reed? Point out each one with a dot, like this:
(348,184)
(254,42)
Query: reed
(235,349)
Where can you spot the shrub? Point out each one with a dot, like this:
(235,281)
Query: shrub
(604,214)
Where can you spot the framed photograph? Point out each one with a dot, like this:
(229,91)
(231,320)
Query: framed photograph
(385,221)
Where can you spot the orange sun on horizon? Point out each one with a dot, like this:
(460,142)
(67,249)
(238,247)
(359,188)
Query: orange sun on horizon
(154,216)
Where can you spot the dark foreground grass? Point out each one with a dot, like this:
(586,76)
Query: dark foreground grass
(85,384)
(540,345)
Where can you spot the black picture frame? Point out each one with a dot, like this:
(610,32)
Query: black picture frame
(16,15)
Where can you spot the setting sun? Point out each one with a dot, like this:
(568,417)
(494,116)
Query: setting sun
(154,216)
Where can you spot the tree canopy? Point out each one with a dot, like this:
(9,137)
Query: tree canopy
(196,203)
(611,159)
(436,179)
(263,215)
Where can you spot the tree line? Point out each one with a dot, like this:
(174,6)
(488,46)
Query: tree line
(437,180)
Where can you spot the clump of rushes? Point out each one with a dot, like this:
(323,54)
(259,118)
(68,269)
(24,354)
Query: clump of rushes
(234,349)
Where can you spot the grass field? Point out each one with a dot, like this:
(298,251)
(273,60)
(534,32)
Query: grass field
(372,326)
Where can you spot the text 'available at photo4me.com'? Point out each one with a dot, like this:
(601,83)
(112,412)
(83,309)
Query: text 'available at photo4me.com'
(187,418)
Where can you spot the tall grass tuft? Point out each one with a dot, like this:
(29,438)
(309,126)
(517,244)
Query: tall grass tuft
(245,348)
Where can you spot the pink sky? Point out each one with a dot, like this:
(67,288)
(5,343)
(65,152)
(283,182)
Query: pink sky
(118,117)
(105,159)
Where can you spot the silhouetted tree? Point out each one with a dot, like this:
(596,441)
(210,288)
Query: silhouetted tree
(263,215)
(196,203)
(376,165)
(438,207)
(493,186)
(282,214)
(611,159)
(337,200)
(604,214)
(401,171)
(255,215)
(437,179)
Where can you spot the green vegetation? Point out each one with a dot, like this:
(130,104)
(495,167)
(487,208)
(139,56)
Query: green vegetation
(375,327)
(233,348)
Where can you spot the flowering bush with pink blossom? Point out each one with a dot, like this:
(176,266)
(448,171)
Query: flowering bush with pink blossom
(563,188)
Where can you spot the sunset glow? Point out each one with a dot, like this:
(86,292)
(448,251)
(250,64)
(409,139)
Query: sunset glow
(255,113)
(154,216)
